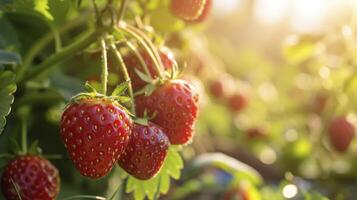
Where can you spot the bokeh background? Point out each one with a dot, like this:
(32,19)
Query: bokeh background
(272,75)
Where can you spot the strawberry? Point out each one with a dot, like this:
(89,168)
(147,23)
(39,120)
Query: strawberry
(205,12)
(132,62)
(237,193)
(31,177)
(237,102)
(216,88)
(146,151)
(174,106)
(341,133)
(95,132)
(188,10)
(256,133)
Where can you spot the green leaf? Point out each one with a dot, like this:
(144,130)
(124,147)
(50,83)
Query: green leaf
(9,58)
(39,7)
(121,88)
(42,7)
(89,88)
(143,76)
(8,36)
(123,99)
(314,196)
(33,150)
(160,184)
(7,88)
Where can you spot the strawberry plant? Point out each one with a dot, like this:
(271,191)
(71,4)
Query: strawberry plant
(176,99)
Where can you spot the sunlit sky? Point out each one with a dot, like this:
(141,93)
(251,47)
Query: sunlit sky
(303,15)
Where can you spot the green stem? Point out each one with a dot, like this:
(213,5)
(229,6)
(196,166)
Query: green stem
(85,197)
(141,60)
(64,54)
(125,74)
(144,44)
(160,66)
(121,10)
(43,42)
(104,76)
(56,36)
(23,135)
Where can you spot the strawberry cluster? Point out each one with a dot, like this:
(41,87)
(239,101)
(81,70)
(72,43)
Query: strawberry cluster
(99,132)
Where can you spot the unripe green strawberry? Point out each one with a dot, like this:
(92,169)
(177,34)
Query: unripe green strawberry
(146,151)
(95,132)
(33,176)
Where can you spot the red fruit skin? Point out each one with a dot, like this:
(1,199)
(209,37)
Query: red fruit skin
(256,133)
(132,62)
(237,102)
(341,133)
(188,10)
(95,133)
(175,107)
(35,177)
(234,194)
(217,89)
(146,152)
(205,13)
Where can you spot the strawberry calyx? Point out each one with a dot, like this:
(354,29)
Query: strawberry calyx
(153,84)
(117,95)
(145,119)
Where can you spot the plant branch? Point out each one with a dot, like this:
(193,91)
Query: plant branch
(43,42)
(64,54)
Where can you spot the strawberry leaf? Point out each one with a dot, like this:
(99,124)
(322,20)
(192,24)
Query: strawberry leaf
(142,121)
(8,87)
(123,99)
(160,184)
(38,7)
(33,150)
(121,88)
(89,88)
(143,76)
(9,58)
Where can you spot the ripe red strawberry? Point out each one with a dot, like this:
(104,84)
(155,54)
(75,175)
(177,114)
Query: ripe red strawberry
(146,151)
(237,102)
(34,177)
(188,10)
(217,88)
(132,62)
(256,133)
(205,12)
(341,133)
(95,132)
(175,107)
(236,193)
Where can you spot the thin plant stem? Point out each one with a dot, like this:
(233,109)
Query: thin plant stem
(104,76)
(23,134)
(125,73)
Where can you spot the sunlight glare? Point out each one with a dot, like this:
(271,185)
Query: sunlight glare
(224,7)
(308,15)
(271,11)
(289,191)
